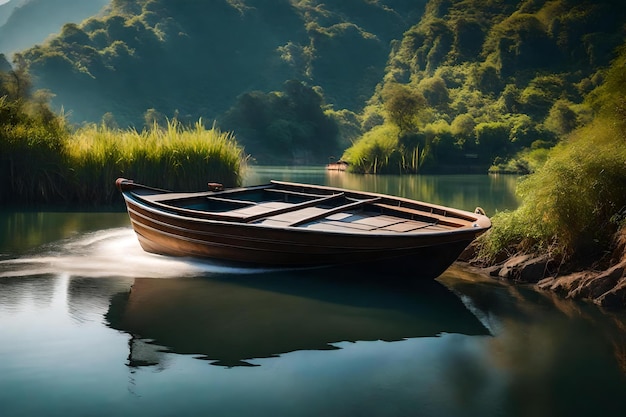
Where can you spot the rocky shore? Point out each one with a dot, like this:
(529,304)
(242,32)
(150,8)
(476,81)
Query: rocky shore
(604,286)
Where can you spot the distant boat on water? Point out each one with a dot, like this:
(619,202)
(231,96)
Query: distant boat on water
(337,166)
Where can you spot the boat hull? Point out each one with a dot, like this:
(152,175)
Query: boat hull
(420,255)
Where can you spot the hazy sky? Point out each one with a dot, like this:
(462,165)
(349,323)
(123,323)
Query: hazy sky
(3,1)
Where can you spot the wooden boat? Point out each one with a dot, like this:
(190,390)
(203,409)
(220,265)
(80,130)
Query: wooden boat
(283,224)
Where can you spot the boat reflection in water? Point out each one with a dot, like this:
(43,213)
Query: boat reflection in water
(233,320)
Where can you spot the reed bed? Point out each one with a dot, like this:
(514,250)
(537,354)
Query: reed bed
(378,152)
(82,167)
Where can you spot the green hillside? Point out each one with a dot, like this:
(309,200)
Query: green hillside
(190,59)
(475,83)
(573,208)
(404,85)
(179,57)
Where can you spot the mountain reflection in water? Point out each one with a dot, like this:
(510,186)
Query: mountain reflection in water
(232,321)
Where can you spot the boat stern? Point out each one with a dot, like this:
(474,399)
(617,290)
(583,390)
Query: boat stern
(122,184)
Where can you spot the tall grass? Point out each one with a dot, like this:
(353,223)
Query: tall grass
(82,167)
(174,157)
(377,152)
(574,204)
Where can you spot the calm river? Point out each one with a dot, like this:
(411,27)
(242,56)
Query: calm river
(90,325)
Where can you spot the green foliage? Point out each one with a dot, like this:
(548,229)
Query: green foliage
(161,48)
(468,40)
(562,118)
(523,81)
(541,93)
(376,152)
(41,161)
(44,165)
(463,126)
(493,138)
(31,147)
(609,98)
(570,204)
(526,65)
(31,22)
(403,106)
(520,42)
(15,84)
(435,92)
(349,126)
(387,150)
(523,131)
(573,205)
(174,157)
(282,126)
(488,79)
(524,162)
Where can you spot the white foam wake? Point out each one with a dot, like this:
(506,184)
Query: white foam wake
(108,253)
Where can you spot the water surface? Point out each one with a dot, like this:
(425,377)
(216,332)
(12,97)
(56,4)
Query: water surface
(90,325)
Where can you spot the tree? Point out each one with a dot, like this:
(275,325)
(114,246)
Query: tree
(561,119)
(403,105)
(493,139)
(152,118)
(463,125)
(435,92)
(16,83)
(468,40)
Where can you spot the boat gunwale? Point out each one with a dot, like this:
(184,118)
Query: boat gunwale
(475,219)
(475,228)
(461,215)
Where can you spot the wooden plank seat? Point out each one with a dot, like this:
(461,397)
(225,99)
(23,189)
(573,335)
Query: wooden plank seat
(423,216)
(338,209)
(309,213)
(232,201)
(295,193)
(245,215)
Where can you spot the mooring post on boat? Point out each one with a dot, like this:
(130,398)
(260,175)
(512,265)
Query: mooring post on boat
(215,186)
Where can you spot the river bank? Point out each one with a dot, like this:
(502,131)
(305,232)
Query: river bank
(602,283)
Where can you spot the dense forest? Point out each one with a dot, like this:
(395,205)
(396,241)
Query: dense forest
(487,83)
(159,59)
(392,85)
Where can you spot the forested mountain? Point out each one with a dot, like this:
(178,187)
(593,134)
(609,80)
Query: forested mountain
(190,59)
(196,56)
(24,23)
(475,82)
(423,85)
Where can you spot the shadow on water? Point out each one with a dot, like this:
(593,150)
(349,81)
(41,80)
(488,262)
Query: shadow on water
(232,320)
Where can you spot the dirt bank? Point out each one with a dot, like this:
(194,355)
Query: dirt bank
(604,286)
